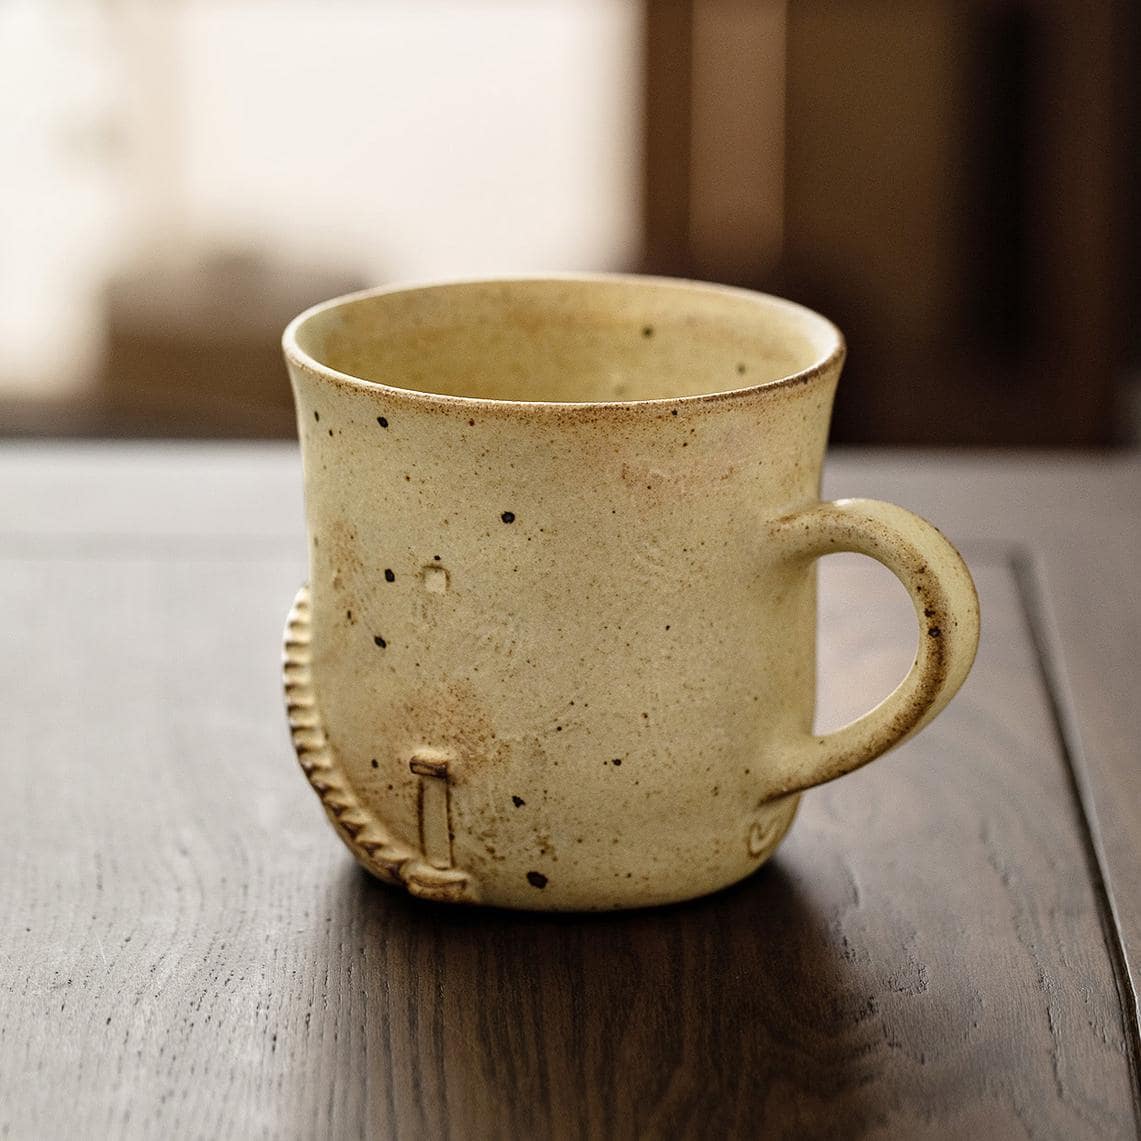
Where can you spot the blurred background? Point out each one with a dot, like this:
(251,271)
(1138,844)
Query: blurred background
(954,182)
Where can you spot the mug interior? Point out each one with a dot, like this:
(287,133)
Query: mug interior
(575,340)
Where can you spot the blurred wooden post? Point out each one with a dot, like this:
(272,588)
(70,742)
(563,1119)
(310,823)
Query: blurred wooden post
(949,182)
(714,143)
(668,117)
(737,145)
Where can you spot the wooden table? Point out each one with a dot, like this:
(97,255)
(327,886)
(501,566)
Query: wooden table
(947,945)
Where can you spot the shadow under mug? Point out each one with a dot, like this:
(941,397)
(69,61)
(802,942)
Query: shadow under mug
(557,646)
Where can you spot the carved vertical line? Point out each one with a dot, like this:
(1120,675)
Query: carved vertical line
(420,815)
(434,807)
(437,846)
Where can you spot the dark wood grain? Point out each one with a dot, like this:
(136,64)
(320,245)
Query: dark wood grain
(189,953)
(1078,521)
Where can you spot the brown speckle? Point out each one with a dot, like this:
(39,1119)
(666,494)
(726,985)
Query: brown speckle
(537,879)
(389,576)
(928,613)
(647,330)
(316,415)
(934,632)
(375,763)
(330,432)
(471,423)
(518,801)
(741,368)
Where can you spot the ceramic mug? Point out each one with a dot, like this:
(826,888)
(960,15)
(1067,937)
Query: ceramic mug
(557,645)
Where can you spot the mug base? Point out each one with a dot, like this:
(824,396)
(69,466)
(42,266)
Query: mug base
(393,861)
(471,894)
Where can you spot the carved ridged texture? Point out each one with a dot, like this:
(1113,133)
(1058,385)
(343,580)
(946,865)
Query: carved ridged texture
(363,834)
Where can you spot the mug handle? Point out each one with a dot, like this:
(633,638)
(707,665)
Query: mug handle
(946,606)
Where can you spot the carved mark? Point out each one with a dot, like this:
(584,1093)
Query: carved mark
(429,766)
(759,835)
(435,579)
(766,833)
(435,819)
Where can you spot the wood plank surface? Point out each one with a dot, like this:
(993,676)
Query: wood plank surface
(1076,522)
(189,952)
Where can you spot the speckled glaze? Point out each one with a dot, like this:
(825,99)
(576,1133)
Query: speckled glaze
(557,645)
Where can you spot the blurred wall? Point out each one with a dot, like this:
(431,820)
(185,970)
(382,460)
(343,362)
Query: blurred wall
(61,188)
(954,183)
(373,140)
(415,139)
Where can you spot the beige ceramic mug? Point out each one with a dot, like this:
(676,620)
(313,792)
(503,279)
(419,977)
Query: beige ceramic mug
(557,645)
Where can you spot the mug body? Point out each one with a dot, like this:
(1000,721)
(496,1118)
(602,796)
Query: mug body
(548,655)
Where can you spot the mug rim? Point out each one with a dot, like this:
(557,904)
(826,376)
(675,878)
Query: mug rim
(299,358)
